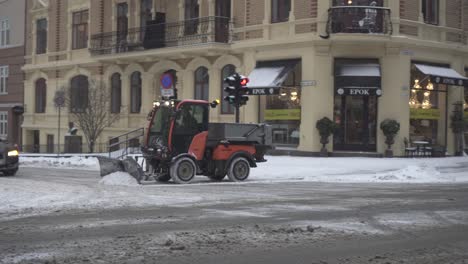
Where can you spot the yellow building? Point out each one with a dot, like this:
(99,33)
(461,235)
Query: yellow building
(357,62)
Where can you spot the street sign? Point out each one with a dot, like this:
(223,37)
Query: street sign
(59,99)
(263,91)
(167,89)
(305,83)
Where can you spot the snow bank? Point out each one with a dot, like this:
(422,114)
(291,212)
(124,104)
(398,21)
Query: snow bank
(411,173)
(75,162)
(119,179)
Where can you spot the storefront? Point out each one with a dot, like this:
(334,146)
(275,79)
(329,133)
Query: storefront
(428,102)
(357,89)
(281,108)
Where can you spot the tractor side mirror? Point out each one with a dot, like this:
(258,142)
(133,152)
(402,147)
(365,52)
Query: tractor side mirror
(215,103)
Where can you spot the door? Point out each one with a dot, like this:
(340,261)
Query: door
(36,142)
(50,143)
(223,16)
(356,117)
(191,119)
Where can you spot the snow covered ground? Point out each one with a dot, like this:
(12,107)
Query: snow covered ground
(74,183)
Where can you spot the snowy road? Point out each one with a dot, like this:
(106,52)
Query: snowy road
(66,216)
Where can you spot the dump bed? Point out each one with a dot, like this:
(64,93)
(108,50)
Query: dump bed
(239,133)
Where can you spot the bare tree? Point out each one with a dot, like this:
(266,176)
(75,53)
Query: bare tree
(92,114)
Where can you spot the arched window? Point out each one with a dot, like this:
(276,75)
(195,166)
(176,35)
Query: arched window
(227,70)
(202,80)
(41,95)
(116,93)
(135,92)
(79,93)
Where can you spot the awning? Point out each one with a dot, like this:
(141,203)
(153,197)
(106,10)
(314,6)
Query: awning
(271,74)
(441,75)
(358,79)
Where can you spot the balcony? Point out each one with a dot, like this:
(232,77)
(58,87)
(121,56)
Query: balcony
(197,31)
(359,19)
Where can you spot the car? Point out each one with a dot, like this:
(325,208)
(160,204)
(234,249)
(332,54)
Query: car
(9,158)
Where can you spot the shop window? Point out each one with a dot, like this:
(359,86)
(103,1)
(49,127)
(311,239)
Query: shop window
(3,124)
(4,73)
(116,93)
(4,32)
(80,30)
(41,36)
(191,16)
(41,89)
(428,109)
(79,93)
(430,10)
(280,10)
(135,92)
(202,80)
(227,70)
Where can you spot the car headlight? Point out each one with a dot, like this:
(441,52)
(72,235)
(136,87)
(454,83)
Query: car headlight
(13,153)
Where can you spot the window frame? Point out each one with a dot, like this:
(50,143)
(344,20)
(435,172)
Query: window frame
(116,93)
(41,36)
(4,74)
(280,11)
(80,41)
(5,38)
(79,92)
(204,83)
(433,17)
(41,95)
(226,108)
(135,92)
(3,124)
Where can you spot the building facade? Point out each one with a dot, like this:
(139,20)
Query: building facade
(357,62)
(11,75)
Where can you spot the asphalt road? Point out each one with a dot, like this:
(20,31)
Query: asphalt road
(249,223)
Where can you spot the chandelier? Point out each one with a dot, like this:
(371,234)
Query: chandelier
(426,103)
(414,102)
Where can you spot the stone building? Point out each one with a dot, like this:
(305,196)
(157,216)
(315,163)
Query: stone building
(11,61)
(357,62)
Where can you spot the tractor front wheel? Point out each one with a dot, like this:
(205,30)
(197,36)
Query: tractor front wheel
(239,169)
(183,170)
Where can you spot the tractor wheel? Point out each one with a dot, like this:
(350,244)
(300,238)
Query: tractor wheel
(239,169)
(183,170)
(218,175)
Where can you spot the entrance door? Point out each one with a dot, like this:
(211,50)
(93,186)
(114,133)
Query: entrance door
(223,14)
(50,143)
(36,142)
(357,120)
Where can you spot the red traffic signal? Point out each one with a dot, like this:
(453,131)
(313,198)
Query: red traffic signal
(244,81)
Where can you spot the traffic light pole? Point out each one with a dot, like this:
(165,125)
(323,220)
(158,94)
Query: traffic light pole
(237,112)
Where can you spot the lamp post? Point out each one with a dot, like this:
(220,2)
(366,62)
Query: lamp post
(59,100)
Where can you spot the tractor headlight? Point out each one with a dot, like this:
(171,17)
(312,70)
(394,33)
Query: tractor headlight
(158,151)
(13,153)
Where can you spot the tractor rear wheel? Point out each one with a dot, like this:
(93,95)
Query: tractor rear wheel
(239,169)
(183,170)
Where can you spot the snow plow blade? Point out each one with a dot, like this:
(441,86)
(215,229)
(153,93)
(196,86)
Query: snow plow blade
(129,165)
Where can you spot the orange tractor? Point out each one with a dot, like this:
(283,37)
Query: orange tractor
(181,143)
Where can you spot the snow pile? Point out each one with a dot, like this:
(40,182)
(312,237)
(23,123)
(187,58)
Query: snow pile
(119,179)
(413,173)
(74,162)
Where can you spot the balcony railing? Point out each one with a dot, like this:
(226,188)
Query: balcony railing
(359,19)
(153,36)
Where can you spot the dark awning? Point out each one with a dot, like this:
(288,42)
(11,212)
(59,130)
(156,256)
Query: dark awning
(442,75)
(358,79)
(271,74)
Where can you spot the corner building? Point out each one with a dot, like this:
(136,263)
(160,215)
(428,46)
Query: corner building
(357,62)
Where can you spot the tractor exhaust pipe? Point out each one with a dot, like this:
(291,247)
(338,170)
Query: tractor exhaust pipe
(129,165)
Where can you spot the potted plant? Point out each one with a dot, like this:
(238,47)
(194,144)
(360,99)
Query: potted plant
(390,128)
(326,127)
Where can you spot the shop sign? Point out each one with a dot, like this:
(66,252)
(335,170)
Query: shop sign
(429,114)
(305,83)
(283,114)
(359,91)
(263,91)
(448,81)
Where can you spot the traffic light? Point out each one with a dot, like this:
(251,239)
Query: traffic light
(236,88)
(243,91)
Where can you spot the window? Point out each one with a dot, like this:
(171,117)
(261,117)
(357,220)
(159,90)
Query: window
(280,10)
(80,30)
(146,15)
(41,95)
(41,36)
(430,10)
(3,79)
(191,16)
(79,93)
(201,83)
(3,124)
(228,70)
(4,32)
(116,93)
(135,92)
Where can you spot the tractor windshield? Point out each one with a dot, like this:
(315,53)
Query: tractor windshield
(160,126)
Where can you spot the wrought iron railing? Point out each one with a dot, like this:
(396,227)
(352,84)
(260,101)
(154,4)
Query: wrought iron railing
(359,19)
(128,143)
(152,36)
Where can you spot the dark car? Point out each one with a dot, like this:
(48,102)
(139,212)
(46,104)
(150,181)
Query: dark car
(9,158)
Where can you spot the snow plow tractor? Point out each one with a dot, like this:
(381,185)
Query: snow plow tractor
(181,143)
